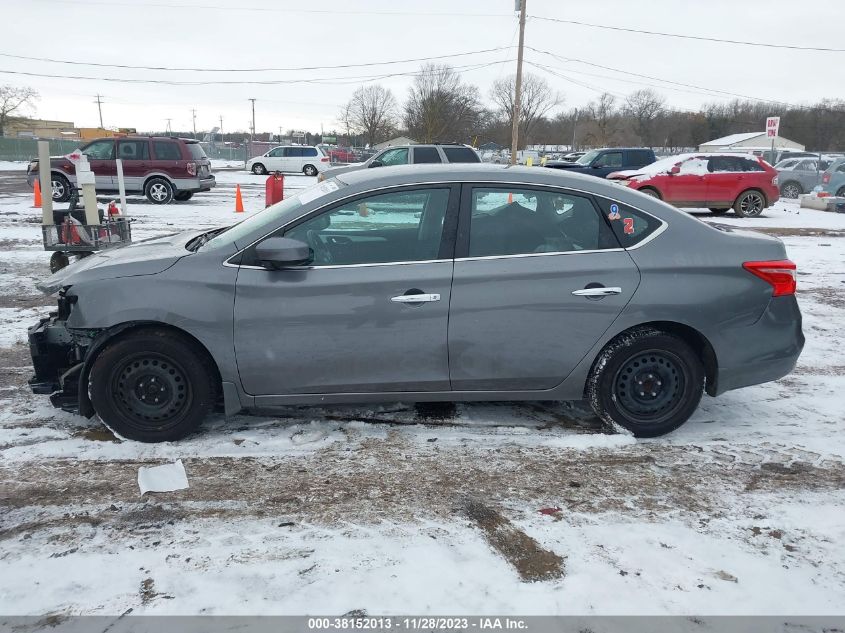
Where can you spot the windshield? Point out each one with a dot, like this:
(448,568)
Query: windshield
(587,158)
(271,215)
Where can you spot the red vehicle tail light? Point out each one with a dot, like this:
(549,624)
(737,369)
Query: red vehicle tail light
(192,168)
(826,178)
(781,274)
(324,159)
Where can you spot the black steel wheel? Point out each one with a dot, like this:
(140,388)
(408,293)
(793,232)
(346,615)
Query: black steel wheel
(153,386)
(647,381)
(750,204)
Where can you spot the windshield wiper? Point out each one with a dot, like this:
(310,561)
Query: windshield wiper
(199,241)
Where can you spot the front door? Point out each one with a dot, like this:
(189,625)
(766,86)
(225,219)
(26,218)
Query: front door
(539,277)
(688,187)
(101,160)
(275,160)
(369,314)
(606,164)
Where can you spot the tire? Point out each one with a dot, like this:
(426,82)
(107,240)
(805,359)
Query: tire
(151,364)
(662,365)
(60,187)
(841,193)
(719,211)
(58,260)
(651,192)
(159,191)
(183,196)
(258,169)
(749,204)
(791,189)
(309,170)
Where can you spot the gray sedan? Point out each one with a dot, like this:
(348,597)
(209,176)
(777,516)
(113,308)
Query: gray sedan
(440,283)
(799,175)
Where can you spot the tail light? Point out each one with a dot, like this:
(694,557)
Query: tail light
(775,181)
(826,178)
(781,274)
(324,159)
(192,169)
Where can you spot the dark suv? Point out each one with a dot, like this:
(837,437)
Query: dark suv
(163,168)
(428,153)
(601,162)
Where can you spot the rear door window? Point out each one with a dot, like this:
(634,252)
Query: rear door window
(639,158)
(133,150)
(630,226)
(426,155)
(461,155)
(165,150)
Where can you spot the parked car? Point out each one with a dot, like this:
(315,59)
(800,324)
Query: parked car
(571,157)
(306,159)
(342,155)
(601,162)
(428,153)
(423,283)
(799,175)
(742,182)
(163,168)
(833,178)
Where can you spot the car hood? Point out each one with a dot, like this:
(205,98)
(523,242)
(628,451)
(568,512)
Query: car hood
(562,164)
(147,257)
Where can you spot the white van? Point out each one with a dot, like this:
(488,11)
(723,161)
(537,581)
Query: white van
(307,159)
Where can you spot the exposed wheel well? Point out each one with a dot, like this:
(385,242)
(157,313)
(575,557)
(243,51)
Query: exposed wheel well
(650,188)
(160,177)
(692,337)
(125,329)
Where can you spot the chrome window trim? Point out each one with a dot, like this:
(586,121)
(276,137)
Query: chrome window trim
(493,184)
(586,252)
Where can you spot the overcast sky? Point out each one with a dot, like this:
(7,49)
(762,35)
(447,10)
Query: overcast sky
(281,33)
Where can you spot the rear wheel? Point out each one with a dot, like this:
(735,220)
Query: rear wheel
(309,170)
(719,211)
(159,191)
(58,260)
(750,204)
(647,381)
(182,196)
(60,187)
(152,386)
(791,189)
(258,169)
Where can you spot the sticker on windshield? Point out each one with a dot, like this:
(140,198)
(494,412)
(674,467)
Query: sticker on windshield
(614,213)
(317,191)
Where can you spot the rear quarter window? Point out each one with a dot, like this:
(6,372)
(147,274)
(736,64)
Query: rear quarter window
(196,151)
(461,155)
(309,151)
(165,150)
(630,226)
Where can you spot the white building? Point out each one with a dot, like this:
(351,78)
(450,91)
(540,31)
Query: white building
(748,141)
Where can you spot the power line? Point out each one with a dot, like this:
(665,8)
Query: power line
(253,69)
(691,37)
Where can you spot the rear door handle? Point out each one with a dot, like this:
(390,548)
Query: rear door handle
(597,292)
(420,298)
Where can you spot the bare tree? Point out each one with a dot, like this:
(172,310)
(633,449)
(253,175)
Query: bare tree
(644,107)
(603,112)
(12,101)
(440,107)
(537,98)
(371,112)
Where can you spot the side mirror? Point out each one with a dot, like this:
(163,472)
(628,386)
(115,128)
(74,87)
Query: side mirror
(596,166)
(279,252)
(676,169)
(376,163)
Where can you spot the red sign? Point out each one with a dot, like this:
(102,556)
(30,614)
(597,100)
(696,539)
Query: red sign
(772,126)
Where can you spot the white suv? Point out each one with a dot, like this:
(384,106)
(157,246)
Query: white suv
(308,159)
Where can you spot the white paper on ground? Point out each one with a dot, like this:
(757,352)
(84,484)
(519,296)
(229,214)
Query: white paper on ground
(164,478)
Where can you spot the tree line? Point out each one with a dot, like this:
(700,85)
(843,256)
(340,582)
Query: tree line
(440,106)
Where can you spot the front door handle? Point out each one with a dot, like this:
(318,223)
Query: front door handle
(420,298)
(597,292)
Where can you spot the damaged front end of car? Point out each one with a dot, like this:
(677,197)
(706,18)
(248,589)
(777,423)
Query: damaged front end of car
(58,357)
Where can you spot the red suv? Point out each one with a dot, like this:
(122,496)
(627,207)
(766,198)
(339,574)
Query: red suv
(743,182)
(163,168)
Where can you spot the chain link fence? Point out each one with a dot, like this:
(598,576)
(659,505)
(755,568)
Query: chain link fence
(27,148)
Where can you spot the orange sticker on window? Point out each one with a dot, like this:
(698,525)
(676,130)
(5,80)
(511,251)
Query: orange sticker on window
(629,225)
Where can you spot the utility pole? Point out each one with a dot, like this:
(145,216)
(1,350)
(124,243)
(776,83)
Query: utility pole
(194,115)
(221,128)
(253,116)
(574,129)
(100,108)
(517,102)
(168,129)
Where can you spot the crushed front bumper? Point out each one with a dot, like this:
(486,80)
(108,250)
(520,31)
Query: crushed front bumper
(58,361)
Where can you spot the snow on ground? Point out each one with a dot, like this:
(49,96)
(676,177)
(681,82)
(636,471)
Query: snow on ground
(13,165)
(399,509)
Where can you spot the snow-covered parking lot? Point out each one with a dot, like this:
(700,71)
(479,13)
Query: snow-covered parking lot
(529,508)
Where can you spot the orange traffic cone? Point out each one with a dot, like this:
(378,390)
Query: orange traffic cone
(37,203)
(510,198)
(239,201)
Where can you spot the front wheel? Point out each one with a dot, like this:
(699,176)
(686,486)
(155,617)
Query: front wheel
(647,381)
(159,191)
(791,190)
(651,192)
(841,193)
(61,189)
(749,204)
(309,170)
(152,386)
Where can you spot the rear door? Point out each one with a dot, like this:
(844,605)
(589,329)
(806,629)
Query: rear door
(725,180)
(167,159)
(293,159)
(539,276)
(369,314)
(135,155)
(425,155)
(101,160)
